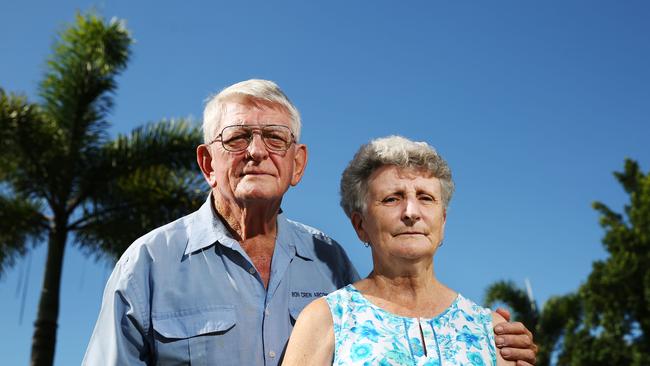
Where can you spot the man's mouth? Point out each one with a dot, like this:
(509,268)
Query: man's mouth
(254,172)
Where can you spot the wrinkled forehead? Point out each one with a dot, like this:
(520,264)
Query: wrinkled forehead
(243,107)
(403,172)
(396,177)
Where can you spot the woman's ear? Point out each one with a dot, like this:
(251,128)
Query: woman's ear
(358,224)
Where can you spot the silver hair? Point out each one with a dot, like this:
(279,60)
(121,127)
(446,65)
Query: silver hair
(391,150)
(249,91)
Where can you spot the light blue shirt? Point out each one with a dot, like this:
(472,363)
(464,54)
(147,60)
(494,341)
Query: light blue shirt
(188,293)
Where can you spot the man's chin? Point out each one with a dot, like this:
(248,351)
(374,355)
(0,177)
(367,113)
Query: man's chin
(257,195)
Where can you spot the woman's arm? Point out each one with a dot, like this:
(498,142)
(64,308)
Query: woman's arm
(496,319)
(312,338)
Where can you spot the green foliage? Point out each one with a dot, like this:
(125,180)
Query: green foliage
(20,221)
(616,295)
(517,299)
(607,320)
(60,174)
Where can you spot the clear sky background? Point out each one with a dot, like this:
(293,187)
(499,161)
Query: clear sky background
(533,104)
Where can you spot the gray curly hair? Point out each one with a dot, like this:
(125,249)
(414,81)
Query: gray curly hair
(391,150)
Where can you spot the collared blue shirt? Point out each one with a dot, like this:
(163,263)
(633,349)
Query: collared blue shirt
(187,293)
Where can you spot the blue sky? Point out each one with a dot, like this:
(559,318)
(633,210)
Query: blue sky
(533,104)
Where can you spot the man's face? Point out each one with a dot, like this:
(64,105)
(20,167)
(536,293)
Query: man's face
(256,173)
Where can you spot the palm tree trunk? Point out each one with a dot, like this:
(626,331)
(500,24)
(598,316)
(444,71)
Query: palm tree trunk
(44,339)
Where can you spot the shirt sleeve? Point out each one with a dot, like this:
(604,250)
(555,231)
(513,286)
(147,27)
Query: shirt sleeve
(120,334)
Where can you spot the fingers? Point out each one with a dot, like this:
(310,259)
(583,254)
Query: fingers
(515,328)
(504,313)
(524,363)
(522,356)
(515,341)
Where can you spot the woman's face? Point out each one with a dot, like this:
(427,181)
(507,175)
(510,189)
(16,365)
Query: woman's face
(405,215)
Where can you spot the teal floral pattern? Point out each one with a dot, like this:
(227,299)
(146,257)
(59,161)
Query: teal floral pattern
(368,335)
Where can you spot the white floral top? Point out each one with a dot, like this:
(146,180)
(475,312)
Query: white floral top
(368,335)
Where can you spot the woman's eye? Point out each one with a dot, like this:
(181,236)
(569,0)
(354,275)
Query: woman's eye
(389,199)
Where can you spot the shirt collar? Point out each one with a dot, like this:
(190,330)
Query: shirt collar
(288,233)
(207,228)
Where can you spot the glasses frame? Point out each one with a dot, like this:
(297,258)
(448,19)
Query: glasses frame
(254,129)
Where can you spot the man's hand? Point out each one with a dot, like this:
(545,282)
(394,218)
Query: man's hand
(514,341)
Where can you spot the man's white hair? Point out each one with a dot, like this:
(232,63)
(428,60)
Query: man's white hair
(251,91)
(392,150)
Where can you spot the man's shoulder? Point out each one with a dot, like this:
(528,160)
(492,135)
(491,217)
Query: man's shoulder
(325,251)
(167,240)
(306,230)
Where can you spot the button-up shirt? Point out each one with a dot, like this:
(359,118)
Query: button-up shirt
(187,293)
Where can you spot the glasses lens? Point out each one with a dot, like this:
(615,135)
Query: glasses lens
(236,138)
(277,137)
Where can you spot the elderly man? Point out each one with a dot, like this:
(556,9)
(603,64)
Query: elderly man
(224,285)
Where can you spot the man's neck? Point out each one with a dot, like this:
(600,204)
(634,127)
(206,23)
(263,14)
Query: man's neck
(250,219)
(254,226)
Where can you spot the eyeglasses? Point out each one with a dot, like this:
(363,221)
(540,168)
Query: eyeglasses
(237,138)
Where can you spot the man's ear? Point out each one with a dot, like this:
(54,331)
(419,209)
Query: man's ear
(204,159)
(358,224)
(299,163)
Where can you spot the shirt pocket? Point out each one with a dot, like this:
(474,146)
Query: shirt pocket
(196,336)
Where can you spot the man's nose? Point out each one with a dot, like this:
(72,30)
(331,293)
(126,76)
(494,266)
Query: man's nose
(257,149)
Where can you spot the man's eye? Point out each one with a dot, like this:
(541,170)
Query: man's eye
(275,138)
(274,135)
(237,137)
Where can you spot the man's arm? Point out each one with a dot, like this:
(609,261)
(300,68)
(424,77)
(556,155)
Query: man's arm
(515,341)
(119,337)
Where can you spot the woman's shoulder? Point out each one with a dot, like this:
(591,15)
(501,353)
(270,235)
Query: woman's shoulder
(316,311)
(472,307)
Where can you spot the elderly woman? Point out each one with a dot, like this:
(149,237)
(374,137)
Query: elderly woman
(395,192)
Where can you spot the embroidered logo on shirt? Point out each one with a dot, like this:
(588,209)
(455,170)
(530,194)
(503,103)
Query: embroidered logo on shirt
(308,294)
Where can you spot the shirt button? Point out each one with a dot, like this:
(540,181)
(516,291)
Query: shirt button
(271,354)
(267,311)
(251,270)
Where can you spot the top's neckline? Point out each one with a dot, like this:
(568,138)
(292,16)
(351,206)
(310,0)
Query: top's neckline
(453,304)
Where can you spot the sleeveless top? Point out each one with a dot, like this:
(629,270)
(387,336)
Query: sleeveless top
(366,334)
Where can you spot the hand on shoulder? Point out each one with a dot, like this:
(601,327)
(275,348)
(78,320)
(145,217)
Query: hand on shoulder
(498,319)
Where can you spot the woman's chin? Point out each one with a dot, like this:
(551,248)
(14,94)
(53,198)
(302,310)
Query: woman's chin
(414,251)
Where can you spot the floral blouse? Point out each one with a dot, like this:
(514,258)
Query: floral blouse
(368,335)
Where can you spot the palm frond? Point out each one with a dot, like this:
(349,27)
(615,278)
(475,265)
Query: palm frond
(81,77)
(77,95)
(24,146)
(169,143)
(20,222)
(516,298)
(135,204)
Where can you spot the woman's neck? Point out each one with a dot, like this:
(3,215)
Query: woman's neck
(409,293)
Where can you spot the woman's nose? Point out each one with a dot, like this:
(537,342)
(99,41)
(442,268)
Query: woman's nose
(411,211)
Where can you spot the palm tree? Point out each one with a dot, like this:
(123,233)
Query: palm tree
(559,315)
(63,179)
